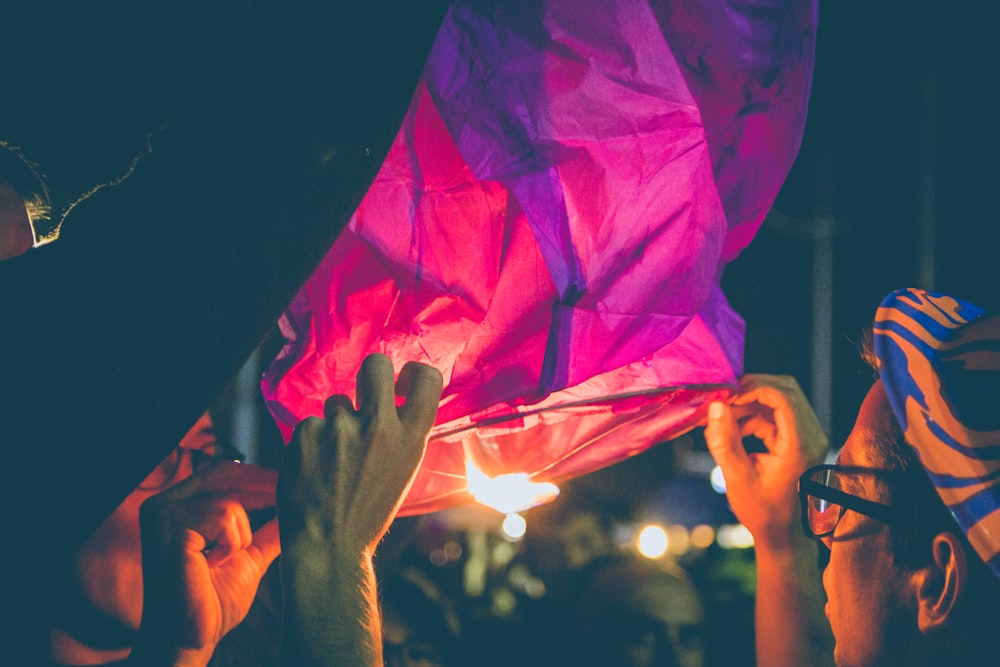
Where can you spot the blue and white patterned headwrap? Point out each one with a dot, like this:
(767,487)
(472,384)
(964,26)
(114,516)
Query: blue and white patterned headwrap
(939,360)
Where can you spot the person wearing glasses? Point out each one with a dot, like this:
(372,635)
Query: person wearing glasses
(177,565)
(906,521)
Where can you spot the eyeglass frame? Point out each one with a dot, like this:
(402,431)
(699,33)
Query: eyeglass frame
(223,450)
(887,514)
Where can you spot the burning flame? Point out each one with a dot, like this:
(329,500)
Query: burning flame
(512,492)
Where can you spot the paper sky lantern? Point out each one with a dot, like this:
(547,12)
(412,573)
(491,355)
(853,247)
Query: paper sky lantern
(550,229)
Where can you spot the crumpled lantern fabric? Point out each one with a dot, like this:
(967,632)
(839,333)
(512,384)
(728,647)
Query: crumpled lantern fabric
(550,228)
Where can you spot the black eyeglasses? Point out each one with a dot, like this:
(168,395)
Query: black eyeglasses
(824,501)
(168,472)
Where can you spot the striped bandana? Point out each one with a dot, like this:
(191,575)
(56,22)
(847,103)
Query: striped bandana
(939,360)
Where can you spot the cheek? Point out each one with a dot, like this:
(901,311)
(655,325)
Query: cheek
(865,597)
(850,589)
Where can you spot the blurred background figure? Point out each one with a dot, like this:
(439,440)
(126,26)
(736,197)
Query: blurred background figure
(420,627)
(633,612)
(565,536)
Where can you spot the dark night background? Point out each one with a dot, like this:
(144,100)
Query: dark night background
(893,187)
(902,127)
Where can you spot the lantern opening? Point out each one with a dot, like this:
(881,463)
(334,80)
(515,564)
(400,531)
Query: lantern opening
(510,492)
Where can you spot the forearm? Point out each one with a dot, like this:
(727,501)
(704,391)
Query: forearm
(790,625)
(331,612)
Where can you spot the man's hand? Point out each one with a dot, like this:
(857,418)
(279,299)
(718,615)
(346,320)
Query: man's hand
(342,481)
(345,476)
(791,629)
(762,487)
(201,561)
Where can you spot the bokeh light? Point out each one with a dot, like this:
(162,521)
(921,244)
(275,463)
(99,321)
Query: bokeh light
(702,536)
(718,480)
(514,526)
(652,541)
(678,540)
(735,536)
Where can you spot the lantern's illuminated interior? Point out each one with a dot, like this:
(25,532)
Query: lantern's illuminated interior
(517,462)
(510,492)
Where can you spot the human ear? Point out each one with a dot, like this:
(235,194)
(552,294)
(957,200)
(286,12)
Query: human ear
(942,583)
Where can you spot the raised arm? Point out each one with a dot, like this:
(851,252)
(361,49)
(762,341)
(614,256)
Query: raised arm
(342,481)
(790,627)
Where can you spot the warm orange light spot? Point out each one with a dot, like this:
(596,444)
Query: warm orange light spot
(509,493)
(702,536)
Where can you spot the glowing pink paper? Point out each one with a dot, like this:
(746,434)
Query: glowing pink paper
(550,227)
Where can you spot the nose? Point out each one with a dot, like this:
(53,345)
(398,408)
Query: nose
(826,575)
